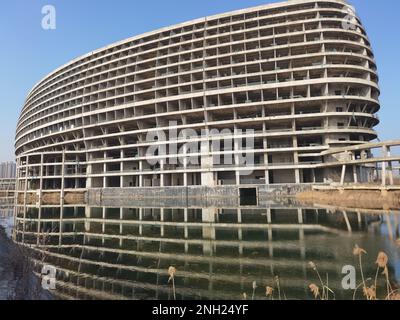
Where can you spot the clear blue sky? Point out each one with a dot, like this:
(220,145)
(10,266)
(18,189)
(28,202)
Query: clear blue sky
(28,52)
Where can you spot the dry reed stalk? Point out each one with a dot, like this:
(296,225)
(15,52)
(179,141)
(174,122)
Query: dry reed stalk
(269,292)
(382,262)
(279,287)
(254,289)
(315,290)
(172,272)
(314,267)
(357,251)
(394,295)
(370,293)
(388,286)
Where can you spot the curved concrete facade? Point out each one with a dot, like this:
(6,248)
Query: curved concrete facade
(300,75)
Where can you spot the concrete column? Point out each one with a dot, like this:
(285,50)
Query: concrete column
(185,163)
(355,176)
(343,176)
(41,178)
(267,182)
(38,225)
(89,182)
(26,184)
(389,226)
(77,171)
(161,174)
(297,176)
(301,233)
(208,216)
(122,163)
(237,176)
(162,229)
(265,145)
(300,215)
(104,178)
(140,219)
(240,231)
(269,216)
(384,174)
(207,176)
(346,219)
(62,179)
(103,225)
(390,168)
(61,224)
(359,219)
(186,230)
(121,218)
(141,175)
(87,216)
(296,155)
(237,160)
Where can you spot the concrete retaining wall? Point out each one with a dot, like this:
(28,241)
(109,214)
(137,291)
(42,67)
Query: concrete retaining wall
(198,196)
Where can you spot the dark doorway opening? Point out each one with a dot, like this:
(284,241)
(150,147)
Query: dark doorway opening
(248,197)
(307,176)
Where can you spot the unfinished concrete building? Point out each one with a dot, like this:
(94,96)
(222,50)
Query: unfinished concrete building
(300,74)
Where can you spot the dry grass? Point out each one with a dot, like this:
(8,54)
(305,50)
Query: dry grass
(352,199)
(74,198)
(371,292)
(31,198)
(53,198)
(324,294)
(367,289)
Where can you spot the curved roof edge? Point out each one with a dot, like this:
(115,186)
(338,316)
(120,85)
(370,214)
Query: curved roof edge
(163,29)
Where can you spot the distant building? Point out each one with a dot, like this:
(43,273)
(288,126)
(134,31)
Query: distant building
(7,170)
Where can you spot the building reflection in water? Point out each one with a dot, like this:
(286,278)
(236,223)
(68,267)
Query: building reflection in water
(124,253)
(6,218)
